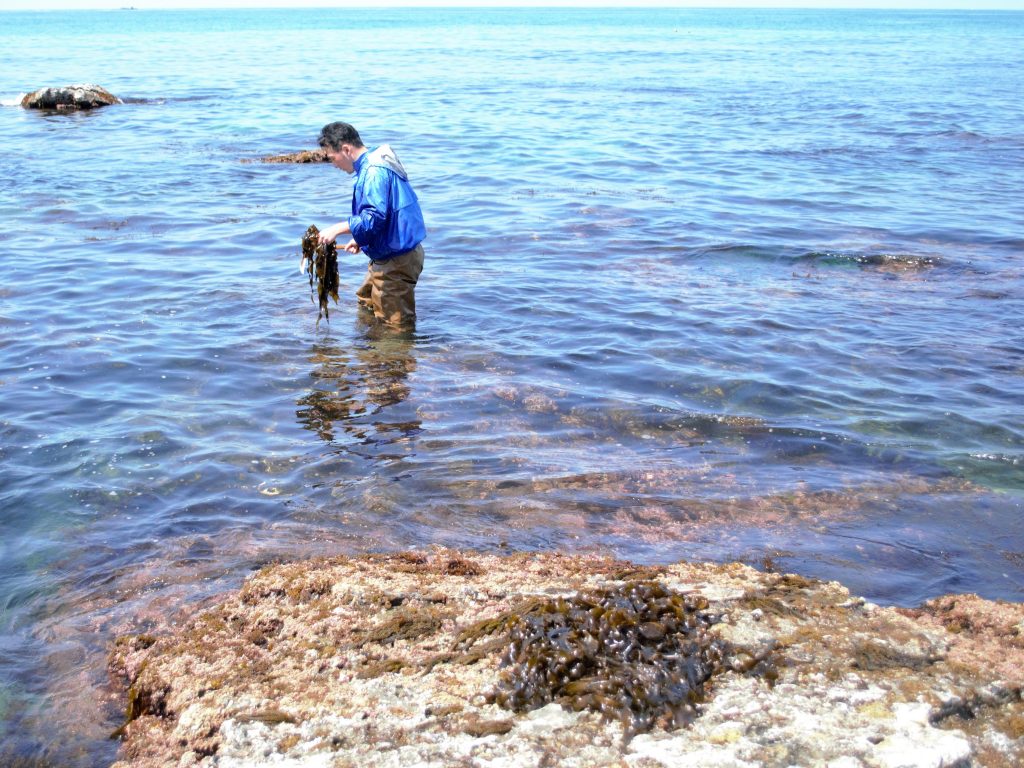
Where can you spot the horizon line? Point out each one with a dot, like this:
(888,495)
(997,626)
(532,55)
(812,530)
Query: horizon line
(535,6)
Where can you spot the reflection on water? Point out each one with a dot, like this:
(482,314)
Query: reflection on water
(355,383)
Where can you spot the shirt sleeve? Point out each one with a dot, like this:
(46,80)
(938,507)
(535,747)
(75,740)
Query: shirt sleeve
(369,222)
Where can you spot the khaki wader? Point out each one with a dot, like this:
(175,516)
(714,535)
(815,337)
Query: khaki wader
(389,288)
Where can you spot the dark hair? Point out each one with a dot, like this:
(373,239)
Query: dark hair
(333,135)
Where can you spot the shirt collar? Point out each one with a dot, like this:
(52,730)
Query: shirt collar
(360,161)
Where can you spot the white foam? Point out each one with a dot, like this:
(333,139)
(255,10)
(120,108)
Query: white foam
(12,102)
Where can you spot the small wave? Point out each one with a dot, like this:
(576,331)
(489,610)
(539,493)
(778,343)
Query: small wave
(883,261)
(973,137)
(160,100)
(1012,460)
(653,194)
(13,101)
(957,136)
(889,262)
(808,152)
(985,293)
(962,135)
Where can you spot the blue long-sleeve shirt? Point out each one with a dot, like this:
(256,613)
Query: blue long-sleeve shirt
(386,217)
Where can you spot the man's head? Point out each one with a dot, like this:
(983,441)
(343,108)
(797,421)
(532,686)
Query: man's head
(342,143)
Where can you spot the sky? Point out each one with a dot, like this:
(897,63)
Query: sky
(148,4)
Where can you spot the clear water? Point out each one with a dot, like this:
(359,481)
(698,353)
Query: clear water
(701,284)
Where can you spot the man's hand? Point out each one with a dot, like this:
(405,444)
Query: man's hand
(352,246)
(331,233)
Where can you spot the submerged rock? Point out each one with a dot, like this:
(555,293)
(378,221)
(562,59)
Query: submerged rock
(70,97)
(451,658)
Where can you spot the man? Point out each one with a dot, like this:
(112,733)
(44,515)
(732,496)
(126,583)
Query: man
(386,224)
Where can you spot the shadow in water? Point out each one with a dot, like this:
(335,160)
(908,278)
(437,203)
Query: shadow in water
(353,385)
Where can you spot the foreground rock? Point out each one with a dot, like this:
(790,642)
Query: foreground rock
(305,156)
(395,660)
(70,97)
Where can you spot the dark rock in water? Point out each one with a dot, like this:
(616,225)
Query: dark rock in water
(305,156)
(70,97)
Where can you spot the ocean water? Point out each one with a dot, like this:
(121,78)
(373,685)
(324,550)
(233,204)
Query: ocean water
(699,284)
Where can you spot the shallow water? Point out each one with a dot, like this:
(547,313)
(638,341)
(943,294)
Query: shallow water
(703,284)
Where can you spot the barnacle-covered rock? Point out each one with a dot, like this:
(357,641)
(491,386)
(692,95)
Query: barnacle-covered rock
(70,97)
(304,156)
(439,657)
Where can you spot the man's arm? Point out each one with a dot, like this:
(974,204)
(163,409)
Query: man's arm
(370,220)
(330,234)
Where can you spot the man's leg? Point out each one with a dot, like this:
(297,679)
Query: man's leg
(396,280)
(364,294)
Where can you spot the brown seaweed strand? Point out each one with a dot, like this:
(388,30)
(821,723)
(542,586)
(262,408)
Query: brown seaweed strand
(323,271)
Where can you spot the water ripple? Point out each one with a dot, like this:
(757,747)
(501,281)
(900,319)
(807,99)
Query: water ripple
(708,292)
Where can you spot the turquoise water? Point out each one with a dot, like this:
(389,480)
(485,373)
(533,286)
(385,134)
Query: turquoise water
(703,284)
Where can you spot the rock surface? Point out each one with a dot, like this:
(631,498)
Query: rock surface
(372,661)
(71,97)
(305,156)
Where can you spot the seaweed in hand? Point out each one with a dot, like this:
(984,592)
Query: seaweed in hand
(322,263)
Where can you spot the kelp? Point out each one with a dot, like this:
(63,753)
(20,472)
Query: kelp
(639,653)
(322,263)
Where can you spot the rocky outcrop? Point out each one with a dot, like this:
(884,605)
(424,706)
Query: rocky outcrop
(449,658)
(70,97)
(305,156)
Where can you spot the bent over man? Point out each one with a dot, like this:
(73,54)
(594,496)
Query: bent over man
(386,223)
